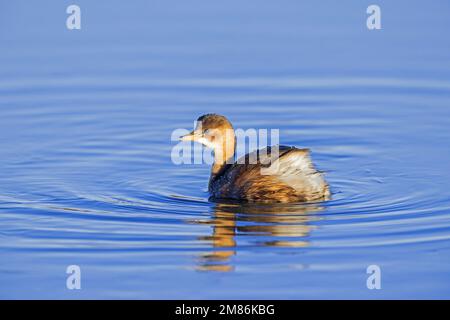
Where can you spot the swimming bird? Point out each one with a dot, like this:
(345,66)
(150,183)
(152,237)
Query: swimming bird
(274,174)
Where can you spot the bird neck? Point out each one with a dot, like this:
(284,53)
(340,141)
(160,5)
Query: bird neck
(224,151)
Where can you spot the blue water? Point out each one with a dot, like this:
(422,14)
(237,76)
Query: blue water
(86,174)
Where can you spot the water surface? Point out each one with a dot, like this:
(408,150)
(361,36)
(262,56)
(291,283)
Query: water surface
(86,172)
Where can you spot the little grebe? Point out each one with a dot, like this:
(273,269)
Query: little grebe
(272,174)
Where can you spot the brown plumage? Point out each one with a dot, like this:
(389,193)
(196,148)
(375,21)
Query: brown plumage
(272,174)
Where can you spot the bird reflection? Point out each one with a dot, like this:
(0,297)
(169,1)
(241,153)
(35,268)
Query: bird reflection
(273,225)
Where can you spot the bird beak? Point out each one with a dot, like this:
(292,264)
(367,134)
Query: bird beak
(191,136)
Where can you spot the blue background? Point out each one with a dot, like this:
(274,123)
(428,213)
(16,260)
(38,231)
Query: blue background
(86,176)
